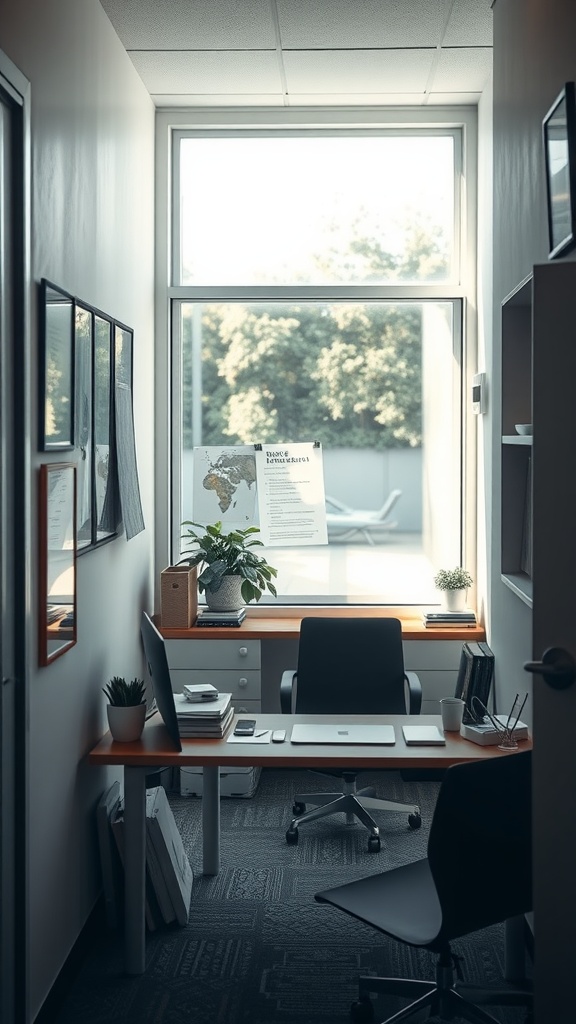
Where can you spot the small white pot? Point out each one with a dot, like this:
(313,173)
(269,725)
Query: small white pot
(126,724)
(455,600)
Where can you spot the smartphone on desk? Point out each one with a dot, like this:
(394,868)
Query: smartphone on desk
(245,727)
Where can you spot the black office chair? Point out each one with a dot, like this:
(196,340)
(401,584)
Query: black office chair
(350,667)
(478,872)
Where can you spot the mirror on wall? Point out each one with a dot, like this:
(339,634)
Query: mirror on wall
(57,554)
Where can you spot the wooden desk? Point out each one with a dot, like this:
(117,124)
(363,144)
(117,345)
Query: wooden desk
(155,749)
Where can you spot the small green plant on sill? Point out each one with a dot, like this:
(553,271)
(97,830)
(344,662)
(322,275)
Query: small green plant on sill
(125,695)
(453,579)
(229,554)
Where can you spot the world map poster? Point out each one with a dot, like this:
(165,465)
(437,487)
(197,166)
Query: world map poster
(279,488)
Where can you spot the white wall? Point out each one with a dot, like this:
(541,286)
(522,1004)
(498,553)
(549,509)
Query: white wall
(534,55)
(92,233)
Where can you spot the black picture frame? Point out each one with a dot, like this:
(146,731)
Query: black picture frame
(57,612)
(56,369)
(559,138)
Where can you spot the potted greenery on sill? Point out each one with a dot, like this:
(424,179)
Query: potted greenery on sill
(126,709)
(454,584)
(232,573)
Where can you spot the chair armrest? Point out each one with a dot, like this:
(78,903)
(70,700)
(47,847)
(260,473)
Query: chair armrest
(286,690)
(414,692)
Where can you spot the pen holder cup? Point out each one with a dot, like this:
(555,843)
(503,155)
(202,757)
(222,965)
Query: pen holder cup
(452,710)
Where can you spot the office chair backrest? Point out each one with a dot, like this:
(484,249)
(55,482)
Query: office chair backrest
(479,847)
(350,666)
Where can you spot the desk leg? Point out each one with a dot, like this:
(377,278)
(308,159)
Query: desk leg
(211,819)
(135,868)
(515,949)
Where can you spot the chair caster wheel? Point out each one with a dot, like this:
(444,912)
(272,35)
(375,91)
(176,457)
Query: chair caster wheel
(374,846)
(298,809)
(292,836)
(414,820)
(362,1011)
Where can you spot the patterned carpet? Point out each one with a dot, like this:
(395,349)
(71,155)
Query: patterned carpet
(258,949)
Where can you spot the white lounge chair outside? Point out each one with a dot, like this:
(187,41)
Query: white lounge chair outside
(343,522)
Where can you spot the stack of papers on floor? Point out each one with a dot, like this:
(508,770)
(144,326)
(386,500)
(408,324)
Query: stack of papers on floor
(169,875)
(211,718)
(443,619)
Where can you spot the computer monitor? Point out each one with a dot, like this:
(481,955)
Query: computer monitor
(160,675)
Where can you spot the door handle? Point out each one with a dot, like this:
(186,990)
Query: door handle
(558,668)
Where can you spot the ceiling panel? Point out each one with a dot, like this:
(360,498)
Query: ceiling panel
(186,71)
(470,24)
(350,71)
(462,68)
(192,24)
(329,24)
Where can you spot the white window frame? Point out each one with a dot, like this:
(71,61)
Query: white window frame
(461,121)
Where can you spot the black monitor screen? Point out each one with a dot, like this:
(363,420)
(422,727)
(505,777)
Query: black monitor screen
(160,675)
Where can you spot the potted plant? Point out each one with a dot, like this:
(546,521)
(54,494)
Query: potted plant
(453,583)
(127,708)
(232,573)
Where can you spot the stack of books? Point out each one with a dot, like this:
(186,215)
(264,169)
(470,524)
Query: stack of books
(444,619)
(207,617)
(209,719)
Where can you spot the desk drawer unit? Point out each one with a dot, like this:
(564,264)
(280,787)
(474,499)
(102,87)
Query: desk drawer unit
(229,666)
(436,662)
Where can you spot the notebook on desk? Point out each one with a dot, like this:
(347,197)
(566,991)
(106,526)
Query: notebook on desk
(357,735)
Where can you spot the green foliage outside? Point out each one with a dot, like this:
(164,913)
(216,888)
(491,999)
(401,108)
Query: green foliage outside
(347,374)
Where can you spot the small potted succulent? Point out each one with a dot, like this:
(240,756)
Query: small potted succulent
(126,709)
(454,584)
(232,573)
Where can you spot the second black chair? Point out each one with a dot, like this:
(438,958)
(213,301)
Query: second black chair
(349,667)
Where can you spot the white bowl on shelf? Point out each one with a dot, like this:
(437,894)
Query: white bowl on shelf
(523,428)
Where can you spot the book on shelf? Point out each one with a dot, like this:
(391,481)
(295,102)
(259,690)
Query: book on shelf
(209,618)
(466,618)
(199,728)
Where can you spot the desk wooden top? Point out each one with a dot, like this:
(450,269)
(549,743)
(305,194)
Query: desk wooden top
(155,747)
(257,627)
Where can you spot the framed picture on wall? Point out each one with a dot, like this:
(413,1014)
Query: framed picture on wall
(56,369)
(559,131)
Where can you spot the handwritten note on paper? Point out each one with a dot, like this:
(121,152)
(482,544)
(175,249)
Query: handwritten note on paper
(291,500)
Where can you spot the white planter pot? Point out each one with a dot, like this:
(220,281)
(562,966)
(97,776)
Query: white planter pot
(126,724)
(228,598)
(455,600)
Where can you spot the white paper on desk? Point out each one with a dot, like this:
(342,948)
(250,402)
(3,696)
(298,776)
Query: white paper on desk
(250,739)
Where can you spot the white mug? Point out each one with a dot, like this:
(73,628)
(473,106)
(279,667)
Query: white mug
(451,709)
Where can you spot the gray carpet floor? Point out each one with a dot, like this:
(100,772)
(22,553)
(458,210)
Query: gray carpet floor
(257,948)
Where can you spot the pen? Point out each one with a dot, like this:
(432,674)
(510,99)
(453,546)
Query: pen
(263,733)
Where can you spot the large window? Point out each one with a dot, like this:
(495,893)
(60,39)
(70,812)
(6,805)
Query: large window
(316,295)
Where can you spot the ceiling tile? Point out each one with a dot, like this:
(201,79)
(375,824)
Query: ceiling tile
(187,71)
(355,71)
(328,24)
(463,68)
(470,24)
(167,100)
(192,24)
(454,99)
(373,99)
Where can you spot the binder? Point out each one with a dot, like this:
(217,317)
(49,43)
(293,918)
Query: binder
(475,674)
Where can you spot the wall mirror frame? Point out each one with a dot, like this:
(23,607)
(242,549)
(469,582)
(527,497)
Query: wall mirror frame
(559,138)
(56,368)
(57,619)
